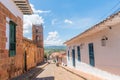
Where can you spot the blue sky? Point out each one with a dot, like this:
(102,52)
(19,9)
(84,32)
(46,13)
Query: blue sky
(64,19)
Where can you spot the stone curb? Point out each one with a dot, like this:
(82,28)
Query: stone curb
(73,73)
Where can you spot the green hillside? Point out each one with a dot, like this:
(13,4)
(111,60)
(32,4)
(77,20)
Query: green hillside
(50,49)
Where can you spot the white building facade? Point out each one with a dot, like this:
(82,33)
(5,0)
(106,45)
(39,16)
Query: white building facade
(98,46)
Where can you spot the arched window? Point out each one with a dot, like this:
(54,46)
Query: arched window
(36,31)
(37,38)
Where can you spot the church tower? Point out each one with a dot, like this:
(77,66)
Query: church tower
(37,37)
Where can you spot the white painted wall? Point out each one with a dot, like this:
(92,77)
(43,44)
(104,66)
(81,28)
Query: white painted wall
(107,57)
(7,33)
(12,7)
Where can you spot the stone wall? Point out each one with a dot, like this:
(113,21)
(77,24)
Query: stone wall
(10,66)
(40,55)
(13,66)
(30,50)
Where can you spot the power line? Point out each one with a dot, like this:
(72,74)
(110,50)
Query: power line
(118,9)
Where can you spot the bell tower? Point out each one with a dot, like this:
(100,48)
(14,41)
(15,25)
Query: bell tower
(37,35)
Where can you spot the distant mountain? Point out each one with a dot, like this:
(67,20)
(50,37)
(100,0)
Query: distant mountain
(51,49)
(55,47)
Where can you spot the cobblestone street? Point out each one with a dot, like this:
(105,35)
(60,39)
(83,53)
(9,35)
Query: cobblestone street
(52,72)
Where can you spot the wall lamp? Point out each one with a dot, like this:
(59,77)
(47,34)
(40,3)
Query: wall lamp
(109,27)
(103,40)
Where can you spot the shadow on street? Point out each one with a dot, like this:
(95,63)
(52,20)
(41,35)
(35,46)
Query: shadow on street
(45,78)
(30,74)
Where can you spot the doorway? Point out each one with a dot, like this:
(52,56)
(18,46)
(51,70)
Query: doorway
(25,61)
(73,57)
(91,54)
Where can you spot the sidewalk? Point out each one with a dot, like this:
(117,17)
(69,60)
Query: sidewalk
(53,72)
(32,73)
(81,74)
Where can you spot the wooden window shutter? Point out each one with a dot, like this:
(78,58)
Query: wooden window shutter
(12,51)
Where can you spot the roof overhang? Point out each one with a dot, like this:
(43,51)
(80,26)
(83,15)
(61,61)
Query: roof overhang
(24,6)
(107,23)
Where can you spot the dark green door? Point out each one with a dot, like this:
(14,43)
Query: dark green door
(78,53)
(73,57)
(12,41)
(68,55)
(25,61)
(91,54)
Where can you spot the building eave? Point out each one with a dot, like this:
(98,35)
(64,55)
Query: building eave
(110,21)
(24,6)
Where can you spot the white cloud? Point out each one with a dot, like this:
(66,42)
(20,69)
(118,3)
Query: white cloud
(38,11)
(80,23)
(32,19)
(68,21)
(53,39)
(26,31)
(54,21)
(29,38)
(29,20)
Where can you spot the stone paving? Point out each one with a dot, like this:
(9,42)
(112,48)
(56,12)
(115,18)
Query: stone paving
(52,72)
(31,73)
